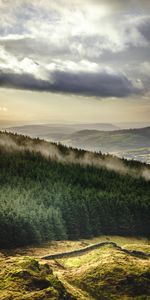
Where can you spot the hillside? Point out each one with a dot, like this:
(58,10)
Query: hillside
(104,137)
(130,143)
(50,192)
(105,273)
(110,141)
(108,273)
(26,278)
(55,199)
(127,143)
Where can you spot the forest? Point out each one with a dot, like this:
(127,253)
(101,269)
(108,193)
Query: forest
(43,199)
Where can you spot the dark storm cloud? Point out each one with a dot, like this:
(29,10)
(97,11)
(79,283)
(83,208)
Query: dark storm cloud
(88,84)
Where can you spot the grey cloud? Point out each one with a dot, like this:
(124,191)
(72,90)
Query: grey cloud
(35,48)
(119,48)
(119,6)
(145,29)
(123,3)
(103,84)
(126,58)
(88,84)
(78,47)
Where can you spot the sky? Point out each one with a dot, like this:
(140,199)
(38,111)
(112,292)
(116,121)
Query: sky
(74,61)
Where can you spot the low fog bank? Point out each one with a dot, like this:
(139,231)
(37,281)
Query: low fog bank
(68,155)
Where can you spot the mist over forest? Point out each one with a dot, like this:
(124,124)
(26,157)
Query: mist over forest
(51,192)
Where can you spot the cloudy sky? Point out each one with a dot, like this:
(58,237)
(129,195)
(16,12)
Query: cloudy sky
(75,61)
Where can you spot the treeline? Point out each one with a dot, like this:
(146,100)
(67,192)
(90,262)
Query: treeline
(42,199)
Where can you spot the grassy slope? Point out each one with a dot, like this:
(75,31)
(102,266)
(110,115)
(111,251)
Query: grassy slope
(105,273)
(108,273)
(25,278)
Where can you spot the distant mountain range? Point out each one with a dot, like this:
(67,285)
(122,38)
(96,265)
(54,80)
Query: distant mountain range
(110,141)
(129,143)
(108,138)
(59,130)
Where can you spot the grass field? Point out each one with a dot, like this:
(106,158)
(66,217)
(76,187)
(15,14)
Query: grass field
(105,273)
(109,274)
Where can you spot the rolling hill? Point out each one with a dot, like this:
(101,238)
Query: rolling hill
(57,132)
(127,143)
(111,140)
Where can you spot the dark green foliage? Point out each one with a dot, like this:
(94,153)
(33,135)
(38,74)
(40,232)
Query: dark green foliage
(42,199)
